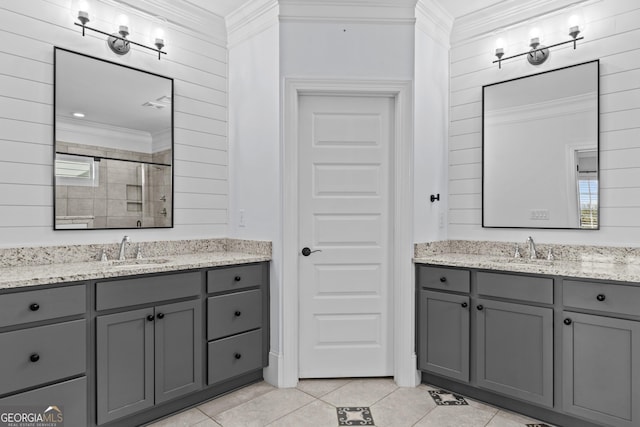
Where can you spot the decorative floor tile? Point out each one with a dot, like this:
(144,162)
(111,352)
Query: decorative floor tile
(444,398)
(358,416)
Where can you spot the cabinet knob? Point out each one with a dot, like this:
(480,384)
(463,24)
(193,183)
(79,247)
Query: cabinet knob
(34,307)
(567,321)
(237,278)
(150,318)
(464,305)
(34,357)
(160,315)
(237,356)
(238,313)
(601,297)
(443,279)
(480,307)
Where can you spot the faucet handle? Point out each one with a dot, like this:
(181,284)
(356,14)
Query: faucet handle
(139,251)
(550,256)
(102,256)
(517,252)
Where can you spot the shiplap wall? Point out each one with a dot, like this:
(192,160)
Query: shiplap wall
(198,64)
(612,34)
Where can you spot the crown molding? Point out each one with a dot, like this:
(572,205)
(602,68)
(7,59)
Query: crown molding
(184,15)
(252,18)
(502,15)
(433,20)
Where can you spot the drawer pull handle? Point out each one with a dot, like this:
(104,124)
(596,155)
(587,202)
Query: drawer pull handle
(237,278)
(567,321)
(237,356)
(601,297)
(34,307)
(34,357)
(150,318)
(480,307)
(238,313)
(464,305)
(160,315)
(443,279)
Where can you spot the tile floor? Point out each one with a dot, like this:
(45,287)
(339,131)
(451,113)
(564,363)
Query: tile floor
(315,403)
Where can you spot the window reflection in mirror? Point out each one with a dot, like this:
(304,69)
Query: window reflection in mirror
(540,150)
(113,145)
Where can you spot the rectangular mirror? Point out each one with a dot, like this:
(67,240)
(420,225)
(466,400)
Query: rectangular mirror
(113,142)
(540,141)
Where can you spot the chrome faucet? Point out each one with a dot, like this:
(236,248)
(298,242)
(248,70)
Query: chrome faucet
(123,246)
(532,248)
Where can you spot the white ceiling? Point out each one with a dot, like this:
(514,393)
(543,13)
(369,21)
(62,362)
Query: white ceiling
(456,8)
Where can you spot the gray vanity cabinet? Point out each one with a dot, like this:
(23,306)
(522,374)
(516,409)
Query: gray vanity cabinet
(237,321)
(444,338)
(515,338)
(601,368)
(124,363)
(148,355)
(43,350)
(601,353)
(515,350)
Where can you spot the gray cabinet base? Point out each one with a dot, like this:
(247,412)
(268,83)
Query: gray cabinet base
(182,404)
(532,411)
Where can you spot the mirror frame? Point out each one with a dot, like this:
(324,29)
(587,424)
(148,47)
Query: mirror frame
(172,125)
(597,61)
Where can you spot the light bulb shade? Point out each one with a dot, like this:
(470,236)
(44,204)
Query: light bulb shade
(536,33)
(83,5)
(500,44)
(83,17)
(122,19)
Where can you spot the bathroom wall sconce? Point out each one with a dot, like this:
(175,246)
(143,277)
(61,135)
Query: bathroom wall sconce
(538,53)
(118,42)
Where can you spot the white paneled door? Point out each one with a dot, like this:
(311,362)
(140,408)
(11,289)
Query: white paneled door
(345,215)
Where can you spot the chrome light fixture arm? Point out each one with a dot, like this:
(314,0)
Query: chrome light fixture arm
(114,37)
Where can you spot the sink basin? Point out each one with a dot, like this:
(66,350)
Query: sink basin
(134,262)
(524,261)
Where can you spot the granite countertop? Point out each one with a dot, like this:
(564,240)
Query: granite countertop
(32,275)
(628,271)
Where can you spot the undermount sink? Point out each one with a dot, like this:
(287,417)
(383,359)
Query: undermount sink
(525,260)
(133,262)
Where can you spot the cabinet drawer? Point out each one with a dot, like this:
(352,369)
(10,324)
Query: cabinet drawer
(233,356)
(601,296)
(234,278)
(443,279)
(69,396)
(144,290)
(233,313)
(511,286)
(42,304)
(43,354)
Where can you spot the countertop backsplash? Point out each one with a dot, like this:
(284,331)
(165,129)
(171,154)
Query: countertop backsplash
(44,255)
(569,253)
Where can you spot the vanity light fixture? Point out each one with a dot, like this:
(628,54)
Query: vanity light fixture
(118,42)
(538,53)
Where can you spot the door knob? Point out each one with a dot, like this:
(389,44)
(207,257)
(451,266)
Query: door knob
(307,251)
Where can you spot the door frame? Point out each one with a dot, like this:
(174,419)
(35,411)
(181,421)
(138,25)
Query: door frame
(401,267)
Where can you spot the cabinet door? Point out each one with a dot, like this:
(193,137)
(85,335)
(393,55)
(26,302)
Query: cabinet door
(443,340)
(515,350)
(124,361)
(178,333)
(601,369)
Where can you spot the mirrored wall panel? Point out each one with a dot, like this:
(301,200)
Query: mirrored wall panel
(113,140)
(540,150)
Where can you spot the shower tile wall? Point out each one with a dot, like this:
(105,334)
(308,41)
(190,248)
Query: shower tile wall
(119,199)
